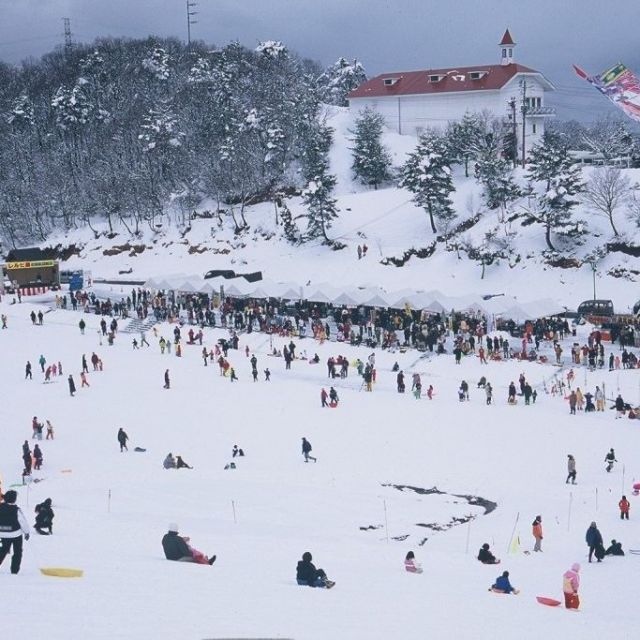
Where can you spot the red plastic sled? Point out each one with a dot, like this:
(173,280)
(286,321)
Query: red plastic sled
(550,602)
(333,405)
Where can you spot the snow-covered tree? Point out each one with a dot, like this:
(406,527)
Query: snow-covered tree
(371,161)
(608,137)
(291,231)
(494,172)
(320,204)
(427,174)
(490,249)
(463,138)
(21,116)
(71,107)
(607,190)
(157,63)
(339,80)
(554,183)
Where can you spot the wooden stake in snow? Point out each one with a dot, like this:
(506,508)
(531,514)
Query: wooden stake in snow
(623,472)
(569,513)
(468,534)
(386,523)
(109,502)
(596,498)
(233,507)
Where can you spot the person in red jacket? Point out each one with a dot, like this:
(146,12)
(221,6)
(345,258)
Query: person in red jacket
(536,529)
(624,505)
(323,398)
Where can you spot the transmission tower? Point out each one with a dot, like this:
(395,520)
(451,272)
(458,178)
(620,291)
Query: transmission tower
(191,4)
(68,43)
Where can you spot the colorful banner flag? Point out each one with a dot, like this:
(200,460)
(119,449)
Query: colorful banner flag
(620,85)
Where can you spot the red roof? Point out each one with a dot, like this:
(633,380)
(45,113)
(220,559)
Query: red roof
(506,38)
(495,76)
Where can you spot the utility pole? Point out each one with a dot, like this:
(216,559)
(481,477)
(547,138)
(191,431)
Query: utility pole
(514,126)
(68,43)
(523,84)
(191,4)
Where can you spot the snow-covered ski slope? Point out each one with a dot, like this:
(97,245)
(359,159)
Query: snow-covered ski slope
(514,456)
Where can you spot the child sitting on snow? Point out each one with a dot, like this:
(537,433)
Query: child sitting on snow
(410,563)
(502,585)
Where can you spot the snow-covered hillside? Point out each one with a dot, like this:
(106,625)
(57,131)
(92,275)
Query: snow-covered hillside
(394,230)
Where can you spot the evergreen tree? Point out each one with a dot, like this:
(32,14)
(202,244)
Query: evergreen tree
(463,138)
(339,80)
(371,161)
(554,181)
(427,174)
(494,172)
(291,232)
(321,206)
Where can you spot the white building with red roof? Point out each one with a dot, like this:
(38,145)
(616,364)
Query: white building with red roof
(413,101)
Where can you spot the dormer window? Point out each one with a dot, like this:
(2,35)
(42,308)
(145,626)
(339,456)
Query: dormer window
(435,78)
(477,75)
(389,82)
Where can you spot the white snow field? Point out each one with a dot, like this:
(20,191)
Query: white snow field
(514,456)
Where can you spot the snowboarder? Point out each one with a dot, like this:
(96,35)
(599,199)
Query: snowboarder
(610,458)
(122,439)
(44,518)
(176,547)
(72,385)
(537,533)
(571,469)
(308,576)
(13,525)
(306,450)
(570,586)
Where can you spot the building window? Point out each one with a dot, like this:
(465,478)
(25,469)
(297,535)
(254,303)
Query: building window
(533,129)
(435,78)
(511,53)
(388,82)
(504,53)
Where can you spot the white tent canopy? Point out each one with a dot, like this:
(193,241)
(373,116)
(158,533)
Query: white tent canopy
(371,296)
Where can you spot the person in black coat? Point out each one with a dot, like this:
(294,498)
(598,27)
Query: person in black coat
(181,464)
(122,440)
(308,576)
(615,549)
(72,385)
(175,547)
(44,518)
(594,541)
(485,556)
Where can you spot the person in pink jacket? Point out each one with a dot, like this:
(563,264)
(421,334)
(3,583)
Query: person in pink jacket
(410,563)
(570,585)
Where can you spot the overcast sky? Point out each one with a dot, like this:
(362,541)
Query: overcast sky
(385,35)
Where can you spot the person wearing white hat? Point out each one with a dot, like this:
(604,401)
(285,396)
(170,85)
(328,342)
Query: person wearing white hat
(177,548)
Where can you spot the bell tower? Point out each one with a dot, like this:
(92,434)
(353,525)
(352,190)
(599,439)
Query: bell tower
(507,45)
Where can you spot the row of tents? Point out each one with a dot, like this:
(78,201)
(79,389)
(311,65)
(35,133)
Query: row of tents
(432,301)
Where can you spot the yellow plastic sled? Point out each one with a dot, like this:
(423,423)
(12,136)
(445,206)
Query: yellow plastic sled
(60,572)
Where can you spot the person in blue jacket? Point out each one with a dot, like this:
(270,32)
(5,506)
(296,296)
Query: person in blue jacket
(502,585)
(594,541)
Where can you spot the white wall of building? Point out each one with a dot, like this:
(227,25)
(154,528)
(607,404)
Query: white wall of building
(411,115)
